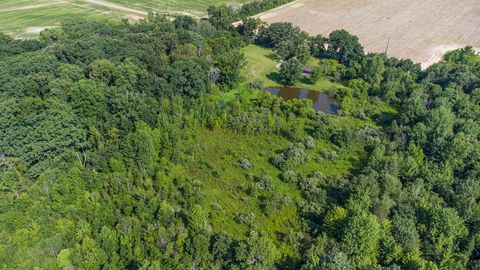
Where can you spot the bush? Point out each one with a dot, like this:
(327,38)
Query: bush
(269,204)
(309,142)
(289,177)
(246,218)
(245,164)
(266,183)
(256,84)
(291,157)
(328,155)
(342,136)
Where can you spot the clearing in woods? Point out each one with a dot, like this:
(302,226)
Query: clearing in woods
(419,30)
(26,18)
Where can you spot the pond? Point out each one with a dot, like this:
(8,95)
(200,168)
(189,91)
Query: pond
(321,101)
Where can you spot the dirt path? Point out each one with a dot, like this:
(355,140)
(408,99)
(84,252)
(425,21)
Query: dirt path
(117,7)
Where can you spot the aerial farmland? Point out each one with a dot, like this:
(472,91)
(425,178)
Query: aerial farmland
(26,18)
(419,30)
(190,134)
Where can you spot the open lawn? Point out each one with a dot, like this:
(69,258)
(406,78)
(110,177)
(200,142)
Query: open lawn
(419,30)
(261,64)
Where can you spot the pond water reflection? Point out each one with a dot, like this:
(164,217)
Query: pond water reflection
(321,101)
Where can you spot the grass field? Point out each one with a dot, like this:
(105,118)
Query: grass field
(216,166)
(419,30)
(261,65)
(26,18)
(195,7)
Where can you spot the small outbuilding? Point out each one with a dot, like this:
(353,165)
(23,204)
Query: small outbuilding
(307,70)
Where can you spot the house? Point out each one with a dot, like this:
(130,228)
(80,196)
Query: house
(307,70)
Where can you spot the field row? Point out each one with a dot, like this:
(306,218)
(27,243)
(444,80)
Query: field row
(419,30)
(26,18)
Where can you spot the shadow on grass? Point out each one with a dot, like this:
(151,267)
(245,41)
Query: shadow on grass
(384,118)
(272,56)
(275,76)
(307,80)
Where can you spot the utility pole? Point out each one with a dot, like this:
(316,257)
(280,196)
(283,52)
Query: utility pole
(386,48)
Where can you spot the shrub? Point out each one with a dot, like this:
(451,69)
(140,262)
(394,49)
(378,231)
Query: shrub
(289,177)
(246,218)
(328,155)
(291,157)
(256,84)
(245,164)
(266,183)
(309,142)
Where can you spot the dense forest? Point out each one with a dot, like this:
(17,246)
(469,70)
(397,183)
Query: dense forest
(115,135)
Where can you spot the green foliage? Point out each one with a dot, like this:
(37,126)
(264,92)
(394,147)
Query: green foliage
(344,47)
(463,56)
(291,71)
(361,238)
(188,78)
(373,68)
(325,68)
(334,221)
(275,34)
(196,218)
(337,261)
(124,146)
(291,157)
(258,252)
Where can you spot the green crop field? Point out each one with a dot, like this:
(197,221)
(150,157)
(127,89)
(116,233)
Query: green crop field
(193,7)
(26,18)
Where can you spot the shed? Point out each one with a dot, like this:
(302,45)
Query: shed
(307,70)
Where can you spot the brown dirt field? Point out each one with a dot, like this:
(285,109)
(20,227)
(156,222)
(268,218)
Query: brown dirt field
(421,30)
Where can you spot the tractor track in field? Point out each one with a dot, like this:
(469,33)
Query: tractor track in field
(419,30)
(117,7)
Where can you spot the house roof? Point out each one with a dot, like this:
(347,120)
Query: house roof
(307,69)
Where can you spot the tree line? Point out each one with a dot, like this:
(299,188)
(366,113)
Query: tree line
(96,114)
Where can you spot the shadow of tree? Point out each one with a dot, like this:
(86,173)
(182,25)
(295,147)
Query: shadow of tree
(274,76)
(272,56)
(307,80)
(384,118)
